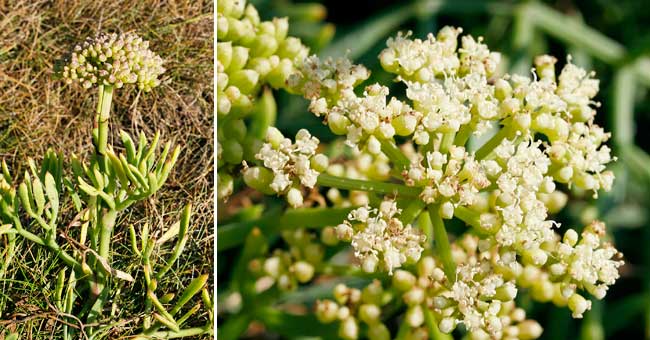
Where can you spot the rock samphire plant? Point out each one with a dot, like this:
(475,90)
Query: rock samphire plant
(91,194)
(462,142)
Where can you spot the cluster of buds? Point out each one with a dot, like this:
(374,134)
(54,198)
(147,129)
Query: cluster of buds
(251,54)
(351,305)
(114,60)
(380,239)
(286,269)
(505,189)
(287,165)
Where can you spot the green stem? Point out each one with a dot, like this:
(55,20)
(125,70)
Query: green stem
(487,148)
(103,116)
(207,329)
(394,154)
(411,211)
(366,185)
(447,141)
(468,216)
(623,117)
(463,134)
(442,243)
(432,325)
(234,234)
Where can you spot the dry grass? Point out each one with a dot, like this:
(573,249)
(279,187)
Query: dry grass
(37,111)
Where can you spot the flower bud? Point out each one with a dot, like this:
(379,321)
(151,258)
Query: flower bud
(404,124)
(447,325)
(238,59)
(294,198)
(529,330)
(338,123)
(414,316)
(326,310)
(403,280)
(319,162)
(233,152)
(328,236)
(259,178)
(225,185)
(446,210)
(341,293)
(272,266)
(369,314)
(578,305)
(373,293)
(303,271)
(245,80)
(378,331)
(348,329)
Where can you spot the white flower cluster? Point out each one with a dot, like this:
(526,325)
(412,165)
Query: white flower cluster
(291,165)
(114,59)
(505,189)
(450,179)
(380,238)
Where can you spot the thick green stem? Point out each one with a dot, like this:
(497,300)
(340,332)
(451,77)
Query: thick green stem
(432,325)
(234,234)
(487,148)
(411,211)
(365,185)
(396,155)
(442,243)
(103,116)
(446,142)
(207,329)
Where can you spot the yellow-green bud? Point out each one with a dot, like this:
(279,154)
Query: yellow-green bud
(303,271)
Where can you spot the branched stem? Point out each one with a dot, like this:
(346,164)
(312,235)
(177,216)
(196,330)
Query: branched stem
(442,243)
(367,185)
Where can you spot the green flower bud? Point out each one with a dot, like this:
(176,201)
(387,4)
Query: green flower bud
(414,296)
(279,75)
(542,290)
(378,331)
(264,45)
(281,28)
(294,198)
(414,316)
(274,137)
(222,27)
(373,293)
(223,104)
(235,129)
(225,185)
(502,89)
(259,178)
(303,271)
(338,123)
(245,80)
(319,162)
(529,330)
(369,314)
(273,266)
(224,53)
(314,253)
(341,293)
(251,14)
(403,280)
(326,311)
(238,59)
(328,236)
(404,124)
(233,152)
(348,329)
(578,305)
(534,256)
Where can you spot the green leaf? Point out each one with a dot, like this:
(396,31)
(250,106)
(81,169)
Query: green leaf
(192,289)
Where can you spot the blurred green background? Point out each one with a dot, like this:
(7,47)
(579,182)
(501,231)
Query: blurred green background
(609,37)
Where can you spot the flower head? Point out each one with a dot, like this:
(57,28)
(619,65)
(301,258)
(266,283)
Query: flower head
(114,60)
